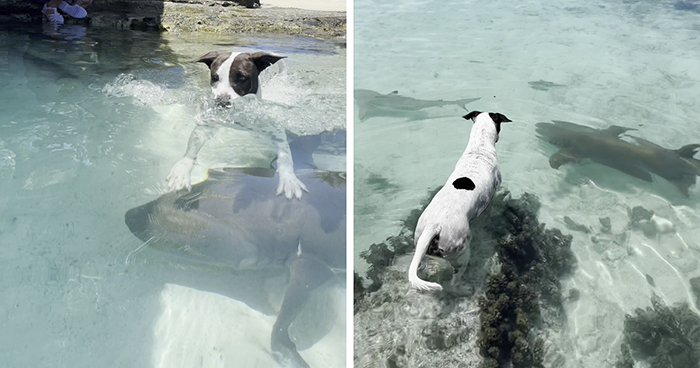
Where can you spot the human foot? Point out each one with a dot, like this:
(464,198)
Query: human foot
(52,14)
(74,11)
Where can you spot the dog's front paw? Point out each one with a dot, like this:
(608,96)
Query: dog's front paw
(179,176)
(290,185)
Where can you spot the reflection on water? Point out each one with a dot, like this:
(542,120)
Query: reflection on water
(90,123)
(627,195)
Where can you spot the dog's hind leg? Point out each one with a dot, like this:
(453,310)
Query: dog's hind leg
(179,176)
(461,265)
(307,273)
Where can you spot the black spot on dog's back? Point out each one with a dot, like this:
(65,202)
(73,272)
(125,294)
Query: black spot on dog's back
(464,183)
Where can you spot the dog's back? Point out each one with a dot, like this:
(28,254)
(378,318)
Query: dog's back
(443,227)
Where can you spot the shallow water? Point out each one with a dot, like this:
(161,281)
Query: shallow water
(630,63)
(91,121)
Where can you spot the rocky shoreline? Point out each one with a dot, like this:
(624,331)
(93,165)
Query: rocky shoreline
(209,16)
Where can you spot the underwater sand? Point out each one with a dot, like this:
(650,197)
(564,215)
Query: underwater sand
(630,63)
(89,128)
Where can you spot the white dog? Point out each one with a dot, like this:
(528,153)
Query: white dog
(234,75)
(443,228)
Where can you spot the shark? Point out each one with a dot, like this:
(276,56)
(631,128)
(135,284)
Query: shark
(604,146)
(373,104)
(235,220)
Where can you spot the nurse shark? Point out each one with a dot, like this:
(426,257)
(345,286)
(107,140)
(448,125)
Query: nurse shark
(604,146)
(372,104)
(235,219)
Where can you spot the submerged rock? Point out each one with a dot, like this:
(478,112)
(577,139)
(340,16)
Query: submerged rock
(514,291)
(663,336)
(695,287)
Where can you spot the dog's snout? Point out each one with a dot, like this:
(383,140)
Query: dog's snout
(223,100)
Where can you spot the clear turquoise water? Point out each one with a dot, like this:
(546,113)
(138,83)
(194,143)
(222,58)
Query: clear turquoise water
(90,123)
(630,63)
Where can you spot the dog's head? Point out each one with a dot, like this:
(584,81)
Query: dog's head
(235,75)
(494,118)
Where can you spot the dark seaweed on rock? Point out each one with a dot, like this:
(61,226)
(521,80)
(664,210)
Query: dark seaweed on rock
(526,293)
(666,337)
(524,296)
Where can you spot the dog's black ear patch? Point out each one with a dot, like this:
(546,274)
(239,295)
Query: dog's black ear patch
(472,115)
(263,60)
(464,183)
(210,57)
(498,118)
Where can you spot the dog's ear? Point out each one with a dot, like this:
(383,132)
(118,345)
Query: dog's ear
(472,115)
(210,57)
(499,118)
(263,60)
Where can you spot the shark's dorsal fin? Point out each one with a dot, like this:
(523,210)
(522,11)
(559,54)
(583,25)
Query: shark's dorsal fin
(688,151)
(394,92)
(264,172)
(616,130)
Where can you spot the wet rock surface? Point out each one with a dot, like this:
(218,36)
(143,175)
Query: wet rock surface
(663,336)
(193,16)
(493,317)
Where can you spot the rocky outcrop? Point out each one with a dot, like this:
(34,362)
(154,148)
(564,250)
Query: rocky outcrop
(193,16)
(498,312)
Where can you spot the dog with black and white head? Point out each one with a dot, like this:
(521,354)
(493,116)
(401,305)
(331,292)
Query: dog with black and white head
(443,227)
(235,75)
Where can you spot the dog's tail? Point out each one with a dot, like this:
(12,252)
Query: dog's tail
(421,248)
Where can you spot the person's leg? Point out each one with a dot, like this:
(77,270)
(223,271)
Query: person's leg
(83,3)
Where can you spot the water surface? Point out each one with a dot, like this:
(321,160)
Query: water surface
(630,63)
(91,120)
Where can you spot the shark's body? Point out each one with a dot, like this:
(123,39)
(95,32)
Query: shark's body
(235,219)
(373,104)
(578,142)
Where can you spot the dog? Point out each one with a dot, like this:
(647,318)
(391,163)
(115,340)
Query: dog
(235,75)
(443,227)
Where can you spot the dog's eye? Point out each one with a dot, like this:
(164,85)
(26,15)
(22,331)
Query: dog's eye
(214,78)
(242,78)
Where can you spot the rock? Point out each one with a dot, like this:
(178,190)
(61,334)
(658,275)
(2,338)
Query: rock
(193,16)
(575,226)
(695,286)
(514,272)
(605,226)
(663,336)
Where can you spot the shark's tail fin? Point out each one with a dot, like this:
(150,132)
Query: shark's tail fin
(463,102)
(421,248)
(688,151)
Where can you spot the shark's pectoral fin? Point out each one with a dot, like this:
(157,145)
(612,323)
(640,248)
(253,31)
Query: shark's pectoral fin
(307,273)
(362,113)
(563,156)
(628,169)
